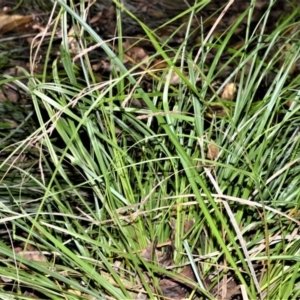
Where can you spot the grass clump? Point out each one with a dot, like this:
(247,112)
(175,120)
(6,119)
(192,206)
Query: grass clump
(168,175)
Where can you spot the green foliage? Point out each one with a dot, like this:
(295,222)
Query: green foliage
(104,180)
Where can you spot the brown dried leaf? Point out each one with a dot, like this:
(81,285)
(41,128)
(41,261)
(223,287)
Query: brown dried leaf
(106,16)
(174,288)
(226,289)
(34,256)
(188,224)
(159,64)
(171,289)
(175,78)
(31,253)
(8,95)
(135,54)
(102,65)
(10,23)
(187,272)
(96,18)
(148,252)
(218,110)
(229,91)
(213,151)
(73,32)
(164,258)
(138,103)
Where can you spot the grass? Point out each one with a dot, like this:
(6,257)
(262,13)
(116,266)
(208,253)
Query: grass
(107,200)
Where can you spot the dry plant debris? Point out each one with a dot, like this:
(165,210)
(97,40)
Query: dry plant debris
(229,91)
(213,151)
(31,253)
(171,287)
(9,23)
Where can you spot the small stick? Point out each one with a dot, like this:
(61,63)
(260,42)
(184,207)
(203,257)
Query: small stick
(213,28)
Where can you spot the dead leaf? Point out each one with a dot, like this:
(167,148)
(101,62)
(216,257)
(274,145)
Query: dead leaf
(135,54)
(213,151)
(188,224)
(174,288)
(10,23)
(187,272)
(149,252)
(171,289)
(164,258)
(175,78)
(106,16)
(102,65)
(138,103)
(31,253)
(72,41)
(226,289)
(229,91)
(218,110)
(159,64)
(8,95)
(34,256)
